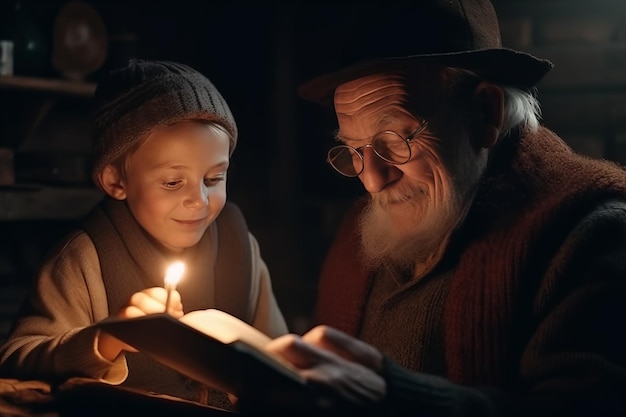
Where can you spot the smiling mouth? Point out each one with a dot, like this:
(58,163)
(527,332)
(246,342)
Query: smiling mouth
(191,222)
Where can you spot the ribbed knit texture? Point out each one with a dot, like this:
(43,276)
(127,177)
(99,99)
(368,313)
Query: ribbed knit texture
(133,100)
(523,212)
(436,396)
(520,219)
(131,262)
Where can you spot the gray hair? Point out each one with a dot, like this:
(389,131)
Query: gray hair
(521,107)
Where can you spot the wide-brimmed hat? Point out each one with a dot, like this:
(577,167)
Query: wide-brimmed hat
(456,33)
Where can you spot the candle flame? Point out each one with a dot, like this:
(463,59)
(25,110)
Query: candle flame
(174,273)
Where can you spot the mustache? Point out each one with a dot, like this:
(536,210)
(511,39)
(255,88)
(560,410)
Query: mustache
(403,194)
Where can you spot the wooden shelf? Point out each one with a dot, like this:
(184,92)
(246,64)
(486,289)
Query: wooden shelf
(34,202)
(50,85)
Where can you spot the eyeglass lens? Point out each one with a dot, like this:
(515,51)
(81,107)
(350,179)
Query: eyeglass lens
(388,145)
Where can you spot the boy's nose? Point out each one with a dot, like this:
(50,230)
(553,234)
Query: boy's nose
(198,197)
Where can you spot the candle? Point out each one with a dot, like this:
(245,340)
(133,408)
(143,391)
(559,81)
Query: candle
(172,276)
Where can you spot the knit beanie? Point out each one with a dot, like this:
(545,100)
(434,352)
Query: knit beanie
(131,101)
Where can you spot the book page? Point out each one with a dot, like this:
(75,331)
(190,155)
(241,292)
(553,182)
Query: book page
(210,346)
(225,327)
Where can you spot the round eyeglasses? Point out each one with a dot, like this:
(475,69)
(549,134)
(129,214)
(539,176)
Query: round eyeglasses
(388,145)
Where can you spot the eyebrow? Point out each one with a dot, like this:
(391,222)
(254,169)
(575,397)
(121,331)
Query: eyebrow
(167,165)
(221,165)
(383,120)
(340,138)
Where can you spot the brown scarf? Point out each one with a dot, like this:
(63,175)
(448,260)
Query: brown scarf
(130,261)
(526,206)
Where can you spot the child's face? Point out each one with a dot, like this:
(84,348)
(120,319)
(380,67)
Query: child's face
(175,183)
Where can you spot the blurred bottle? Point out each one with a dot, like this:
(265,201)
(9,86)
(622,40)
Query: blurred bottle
(31,50)
(6,57)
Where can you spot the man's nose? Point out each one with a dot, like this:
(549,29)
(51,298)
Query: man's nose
(376,172)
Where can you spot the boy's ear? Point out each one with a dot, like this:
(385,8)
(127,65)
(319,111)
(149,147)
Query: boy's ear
(112,183)
(489,100)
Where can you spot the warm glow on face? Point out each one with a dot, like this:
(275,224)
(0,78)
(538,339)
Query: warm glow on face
(174,273)
(175,183)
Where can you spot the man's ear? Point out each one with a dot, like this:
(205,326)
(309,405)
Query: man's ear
(112,183)
(489,101)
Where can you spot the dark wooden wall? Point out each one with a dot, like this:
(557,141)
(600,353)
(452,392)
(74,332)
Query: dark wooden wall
(257,53)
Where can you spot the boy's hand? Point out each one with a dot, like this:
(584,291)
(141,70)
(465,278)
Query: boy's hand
(149,301)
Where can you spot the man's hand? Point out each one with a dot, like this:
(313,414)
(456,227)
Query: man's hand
(342,371)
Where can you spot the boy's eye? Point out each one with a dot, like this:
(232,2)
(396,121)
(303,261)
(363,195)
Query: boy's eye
(172,184)
(213,180)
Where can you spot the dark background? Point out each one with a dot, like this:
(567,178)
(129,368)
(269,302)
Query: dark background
(257,53)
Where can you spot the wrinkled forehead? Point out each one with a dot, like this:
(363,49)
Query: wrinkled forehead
(405,91)
(370,91)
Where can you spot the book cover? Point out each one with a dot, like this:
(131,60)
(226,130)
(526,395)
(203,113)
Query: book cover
(80,397)
(209,346)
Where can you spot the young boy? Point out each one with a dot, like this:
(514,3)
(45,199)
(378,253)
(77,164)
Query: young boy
(163,139)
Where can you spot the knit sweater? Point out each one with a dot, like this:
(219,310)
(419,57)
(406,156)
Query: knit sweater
(54,337)
(525,313)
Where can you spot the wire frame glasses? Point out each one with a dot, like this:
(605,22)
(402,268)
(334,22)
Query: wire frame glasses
(388,145)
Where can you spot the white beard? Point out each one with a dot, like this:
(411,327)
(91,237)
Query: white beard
(406,230)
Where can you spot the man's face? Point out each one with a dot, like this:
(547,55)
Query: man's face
(421,201)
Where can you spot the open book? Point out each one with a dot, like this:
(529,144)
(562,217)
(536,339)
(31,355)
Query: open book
(210,346)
